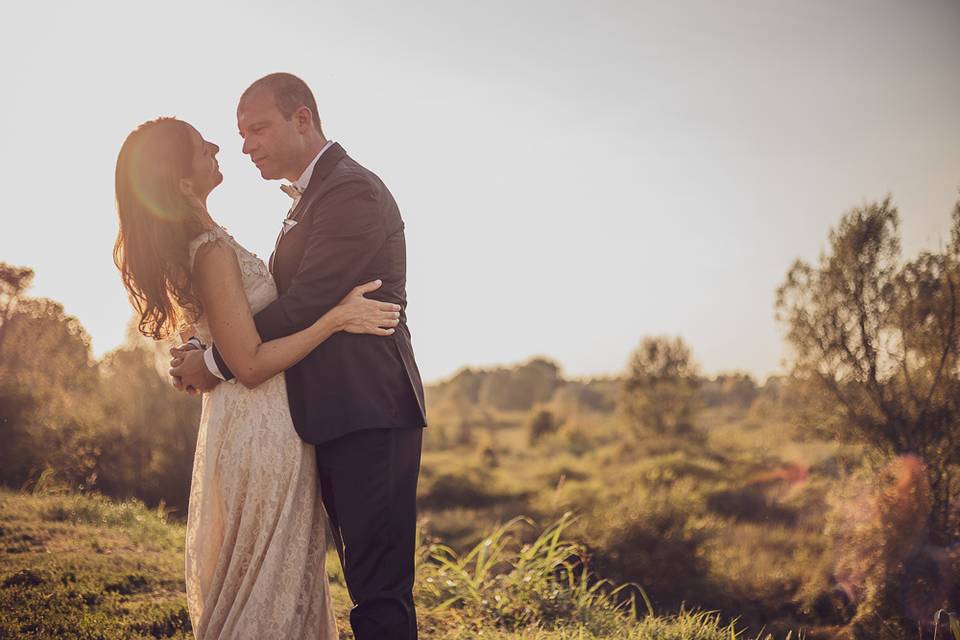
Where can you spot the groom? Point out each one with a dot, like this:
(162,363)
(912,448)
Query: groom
(359,398)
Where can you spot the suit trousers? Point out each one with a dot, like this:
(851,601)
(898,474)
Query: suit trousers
(368,480)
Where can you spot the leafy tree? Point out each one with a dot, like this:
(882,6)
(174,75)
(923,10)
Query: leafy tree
(149,436)
(520,388)
(117,426)
(875,347)
(659,392)
(18,457)
(737,388)
(49,381)
(14,281)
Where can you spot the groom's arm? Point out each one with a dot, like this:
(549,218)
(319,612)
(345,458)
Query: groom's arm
(347,232)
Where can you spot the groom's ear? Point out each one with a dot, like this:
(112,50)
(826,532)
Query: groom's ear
(304,119)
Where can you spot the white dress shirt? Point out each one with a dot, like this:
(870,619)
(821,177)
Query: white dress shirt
(300,184)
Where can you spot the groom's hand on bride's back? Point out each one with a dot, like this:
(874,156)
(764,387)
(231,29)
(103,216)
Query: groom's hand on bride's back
(359,314)
(188,371)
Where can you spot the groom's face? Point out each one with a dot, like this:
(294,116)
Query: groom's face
(273,142)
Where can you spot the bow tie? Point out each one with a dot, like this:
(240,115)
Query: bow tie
(291,190)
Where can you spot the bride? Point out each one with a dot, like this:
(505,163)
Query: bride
(255,547)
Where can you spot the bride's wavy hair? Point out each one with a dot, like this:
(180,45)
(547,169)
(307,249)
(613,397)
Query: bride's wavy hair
(157,223)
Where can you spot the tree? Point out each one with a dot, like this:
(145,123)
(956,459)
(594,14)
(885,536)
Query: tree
(117,426)
(520,388)
(736,388)
(875,347)
(660,388)
(150,432)
(49,385)
(13,282)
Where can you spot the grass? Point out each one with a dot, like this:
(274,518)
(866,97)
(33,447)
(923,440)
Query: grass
(543,583)
(80,568)
(87,568)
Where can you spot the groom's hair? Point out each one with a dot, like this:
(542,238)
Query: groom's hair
(289,93)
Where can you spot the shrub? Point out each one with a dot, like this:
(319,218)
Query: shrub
(542,422)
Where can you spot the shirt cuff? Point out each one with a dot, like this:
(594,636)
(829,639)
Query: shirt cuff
(211,363)
(195,341)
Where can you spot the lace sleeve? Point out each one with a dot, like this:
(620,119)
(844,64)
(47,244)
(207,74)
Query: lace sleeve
(193,313)
(208,236)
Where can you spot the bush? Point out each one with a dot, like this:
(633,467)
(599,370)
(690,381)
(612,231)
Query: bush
(655,539)
(881,555)
(471,486)
(750,504)
(541,423)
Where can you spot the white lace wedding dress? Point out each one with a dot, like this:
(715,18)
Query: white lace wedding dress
(255,546)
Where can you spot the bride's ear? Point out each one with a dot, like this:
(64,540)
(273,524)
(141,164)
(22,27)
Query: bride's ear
(186,187)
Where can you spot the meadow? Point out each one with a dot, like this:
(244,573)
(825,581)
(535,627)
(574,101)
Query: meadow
(552,522)
(660,502)
(85,567)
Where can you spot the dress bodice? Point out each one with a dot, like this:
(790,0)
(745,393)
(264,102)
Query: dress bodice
(258,284)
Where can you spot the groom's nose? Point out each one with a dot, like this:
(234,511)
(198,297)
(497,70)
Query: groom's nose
(247,146)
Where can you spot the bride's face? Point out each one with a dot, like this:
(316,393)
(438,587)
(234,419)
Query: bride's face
(205,174)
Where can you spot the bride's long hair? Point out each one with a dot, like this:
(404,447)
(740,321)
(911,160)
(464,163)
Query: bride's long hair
(157,223)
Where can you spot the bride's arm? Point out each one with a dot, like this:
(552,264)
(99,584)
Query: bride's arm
(217,279)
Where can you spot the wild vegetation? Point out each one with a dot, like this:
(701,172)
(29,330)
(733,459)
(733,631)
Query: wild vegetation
(83,567)
(823,501)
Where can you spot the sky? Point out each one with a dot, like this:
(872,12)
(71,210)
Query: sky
(573,176)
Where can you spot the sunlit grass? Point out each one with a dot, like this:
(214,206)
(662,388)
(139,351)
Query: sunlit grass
(503,584)
(84,568)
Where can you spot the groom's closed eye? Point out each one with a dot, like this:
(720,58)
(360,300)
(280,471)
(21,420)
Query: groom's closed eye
(256,128)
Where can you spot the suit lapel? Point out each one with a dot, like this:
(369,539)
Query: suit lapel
(324,167)
(321,171)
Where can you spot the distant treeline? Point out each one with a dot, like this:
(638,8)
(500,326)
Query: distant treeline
(117,426)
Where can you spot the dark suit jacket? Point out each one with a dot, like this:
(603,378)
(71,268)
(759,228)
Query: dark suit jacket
(348,232)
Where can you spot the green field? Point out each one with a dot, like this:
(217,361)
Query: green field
(85,567)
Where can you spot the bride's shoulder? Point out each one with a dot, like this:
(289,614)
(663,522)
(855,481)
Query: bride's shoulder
(215,236)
